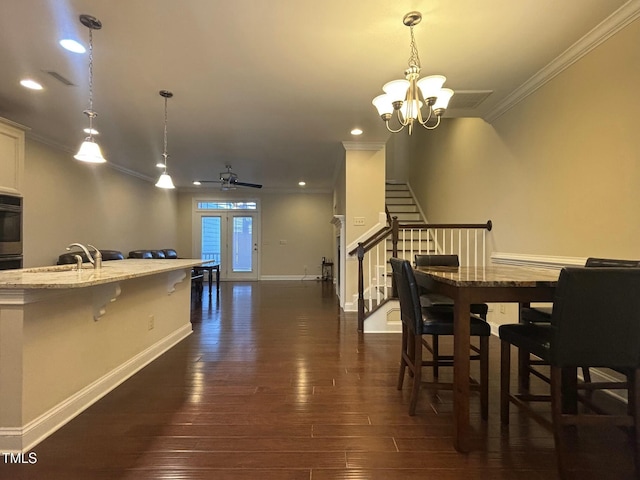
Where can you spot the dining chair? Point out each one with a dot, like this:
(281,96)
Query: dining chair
(430,299)
(418,322)
(595,323)
(542,314)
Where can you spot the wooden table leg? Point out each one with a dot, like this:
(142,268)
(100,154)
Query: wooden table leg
(461,372)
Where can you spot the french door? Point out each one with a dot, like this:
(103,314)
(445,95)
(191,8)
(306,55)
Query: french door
(230,238)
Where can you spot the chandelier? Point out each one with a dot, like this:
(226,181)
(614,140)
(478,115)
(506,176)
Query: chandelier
(165,179)
(407,97)
(89,150)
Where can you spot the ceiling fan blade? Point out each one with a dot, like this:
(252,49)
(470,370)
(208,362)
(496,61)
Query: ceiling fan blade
(244,184)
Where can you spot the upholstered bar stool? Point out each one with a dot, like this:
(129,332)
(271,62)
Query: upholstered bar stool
(595,323)
(418,322)
(541,314)
(169,253)
(140,254)
(429,299)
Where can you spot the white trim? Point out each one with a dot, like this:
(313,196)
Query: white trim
(270,278)
(351,306)
(23,439)
(599,34)
(364,146)
(415,202)
(382,222)
(541,261)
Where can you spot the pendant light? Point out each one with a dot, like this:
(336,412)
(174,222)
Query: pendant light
(165,180)
(89,150)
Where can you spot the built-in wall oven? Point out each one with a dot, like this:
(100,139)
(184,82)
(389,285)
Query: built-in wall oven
(10,232)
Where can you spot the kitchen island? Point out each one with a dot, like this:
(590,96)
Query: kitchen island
(69,336)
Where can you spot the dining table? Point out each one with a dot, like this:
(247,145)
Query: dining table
(209,267)
(480,284)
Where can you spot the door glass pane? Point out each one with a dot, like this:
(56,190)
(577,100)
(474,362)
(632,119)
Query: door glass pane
(211,233)
(242,242)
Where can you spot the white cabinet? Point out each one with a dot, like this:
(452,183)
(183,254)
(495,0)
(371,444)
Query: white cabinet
(11,156)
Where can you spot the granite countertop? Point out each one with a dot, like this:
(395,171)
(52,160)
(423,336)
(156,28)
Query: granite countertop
(66,276)
(492,276)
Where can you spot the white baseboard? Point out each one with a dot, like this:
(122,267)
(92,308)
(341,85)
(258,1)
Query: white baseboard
(14,440)
(269,278)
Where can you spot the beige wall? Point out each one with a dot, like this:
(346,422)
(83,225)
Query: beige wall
(558,174)
(365,190)
(67,201)
(301,220)
(364,198)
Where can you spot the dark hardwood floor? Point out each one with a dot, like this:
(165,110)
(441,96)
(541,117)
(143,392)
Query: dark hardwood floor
(275,383)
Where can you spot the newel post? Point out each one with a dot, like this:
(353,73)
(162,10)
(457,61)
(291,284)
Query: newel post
(360,253)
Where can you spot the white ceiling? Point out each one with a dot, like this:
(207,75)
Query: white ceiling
(270,86)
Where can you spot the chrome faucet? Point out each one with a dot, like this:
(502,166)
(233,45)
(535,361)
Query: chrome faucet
(97,263)
(97,256)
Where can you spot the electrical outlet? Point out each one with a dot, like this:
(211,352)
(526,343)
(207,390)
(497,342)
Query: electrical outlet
(152,322)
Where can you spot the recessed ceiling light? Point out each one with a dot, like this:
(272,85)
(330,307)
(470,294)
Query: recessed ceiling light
(72,46)
(302,184)
(91,131)
(356,131)
(197,182)
(30,84)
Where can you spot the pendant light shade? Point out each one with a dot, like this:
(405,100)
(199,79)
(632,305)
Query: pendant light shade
(165,180)
(89,150)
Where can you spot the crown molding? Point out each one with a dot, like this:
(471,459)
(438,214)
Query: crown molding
(615,22)
(364,146)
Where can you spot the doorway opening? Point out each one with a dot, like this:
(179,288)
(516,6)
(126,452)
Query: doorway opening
(227,233)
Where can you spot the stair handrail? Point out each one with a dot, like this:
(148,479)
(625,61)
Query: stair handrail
(481,226)
(393,230)
(374,239)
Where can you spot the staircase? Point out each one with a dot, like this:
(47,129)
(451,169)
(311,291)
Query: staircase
(401,204)
(408,234)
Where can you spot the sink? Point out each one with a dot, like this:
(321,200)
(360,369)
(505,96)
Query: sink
(57,268)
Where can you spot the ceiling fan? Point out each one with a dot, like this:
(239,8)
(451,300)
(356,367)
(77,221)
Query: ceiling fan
(229,180)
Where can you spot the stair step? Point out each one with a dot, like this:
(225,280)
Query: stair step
(398,194)
(403,207)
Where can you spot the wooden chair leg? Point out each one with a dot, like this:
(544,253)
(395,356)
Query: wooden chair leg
(505,381)
(411,347)
(634,406)
(484,377)
(524,363)
(556,414)
(436,356)
(569,384)
(403,362)
(417,374)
